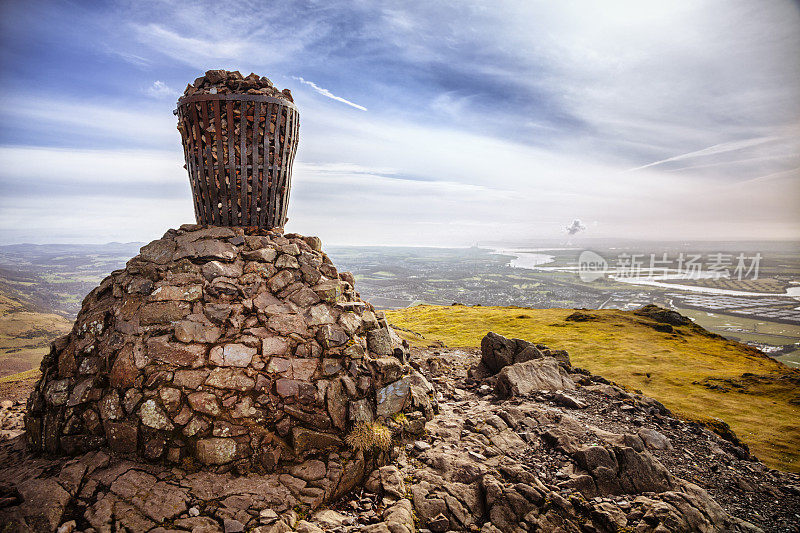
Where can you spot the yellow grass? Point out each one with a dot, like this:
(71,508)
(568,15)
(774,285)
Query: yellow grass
(25,335)
(625,348)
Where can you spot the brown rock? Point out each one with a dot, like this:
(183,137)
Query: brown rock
(122,436)
(336,401)
(216,451)
(274,346)
(230,378)
(307,440)
(189,331)
(280,281)
(331,336)
(163,312)
(215,269)
(123,373)
(206,249)
(159,252)
(304,297)
(263,255)
(286,324)
(162,349)
(189,379)
(186,293)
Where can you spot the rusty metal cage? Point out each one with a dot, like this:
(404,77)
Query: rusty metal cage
(239,150)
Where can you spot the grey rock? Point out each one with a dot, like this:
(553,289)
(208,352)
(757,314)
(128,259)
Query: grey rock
(529,376)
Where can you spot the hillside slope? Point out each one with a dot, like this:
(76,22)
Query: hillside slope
(25,334)
(696,374)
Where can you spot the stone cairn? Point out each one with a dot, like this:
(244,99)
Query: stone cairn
(230,350)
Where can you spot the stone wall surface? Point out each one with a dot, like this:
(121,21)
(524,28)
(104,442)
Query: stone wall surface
(228,349)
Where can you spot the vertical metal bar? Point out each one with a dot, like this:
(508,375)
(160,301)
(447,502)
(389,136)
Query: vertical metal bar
(211,185)
(257,169)
(222,180)
(281,156)
(243,162)
(270,165)
(233,196)
(266,183)
(202,184)
(276,162)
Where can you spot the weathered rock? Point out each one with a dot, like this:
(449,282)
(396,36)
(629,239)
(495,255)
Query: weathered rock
(539,374)
(215,269)
(654,440)
(216,451)
(232,355)
(379,341)
(306,440)
(163,350)
(189,331)
(206,249)
(153,416)
(392,398)
(498,352)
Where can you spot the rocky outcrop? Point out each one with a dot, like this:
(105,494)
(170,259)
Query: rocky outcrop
(498,352)
(663,316)
(524,378)
(231,350)
(613,461)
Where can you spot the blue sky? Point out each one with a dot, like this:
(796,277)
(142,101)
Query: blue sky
(430,122)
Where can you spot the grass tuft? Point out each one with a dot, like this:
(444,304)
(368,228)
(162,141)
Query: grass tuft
(366,436)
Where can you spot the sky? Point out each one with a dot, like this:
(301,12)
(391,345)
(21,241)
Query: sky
(435,123)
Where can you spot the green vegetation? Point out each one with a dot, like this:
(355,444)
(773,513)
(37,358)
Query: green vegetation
(696,374)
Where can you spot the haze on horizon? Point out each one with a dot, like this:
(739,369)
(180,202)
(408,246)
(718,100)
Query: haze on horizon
(426,123)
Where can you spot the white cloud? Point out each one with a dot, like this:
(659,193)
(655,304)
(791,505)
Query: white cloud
(71,119)
(159,89)
(32,163)
(547,105)
(328,94)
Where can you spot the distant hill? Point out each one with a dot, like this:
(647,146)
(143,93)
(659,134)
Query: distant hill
(697,374)
(54,278)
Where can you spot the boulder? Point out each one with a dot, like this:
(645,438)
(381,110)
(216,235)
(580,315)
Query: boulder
(529,376)
(498,352)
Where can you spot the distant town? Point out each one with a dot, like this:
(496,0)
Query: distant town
(55,278)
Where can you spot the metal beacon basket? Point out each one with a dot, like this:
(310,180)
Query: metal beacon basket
(239,150)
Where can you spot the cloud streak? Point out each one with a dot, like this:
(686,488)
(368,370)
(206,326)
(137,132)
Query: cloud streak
(328,94)
(721,148)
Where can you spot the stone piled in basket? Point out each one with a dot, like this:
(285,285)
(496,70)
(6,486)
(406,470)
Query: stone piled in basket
(228,82)
(229,349)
